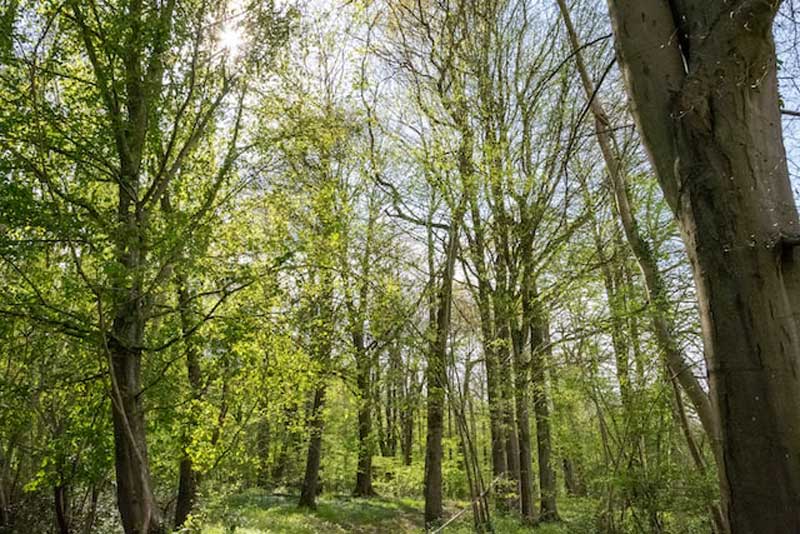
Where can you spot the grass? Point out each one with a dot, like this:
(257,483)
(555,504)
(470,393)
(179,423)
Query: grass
(267,514)
(261,513)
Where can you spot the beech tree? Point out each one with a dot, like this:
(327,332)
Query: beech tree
(702,82)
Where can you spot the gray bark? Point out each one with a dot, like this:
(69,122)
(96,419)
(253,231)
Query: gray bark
(702,81)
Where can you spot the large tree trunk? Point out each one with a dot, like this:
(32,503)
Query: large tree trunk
(62,508)
(137,505)
(436,378)
(139,511)
(188,480)
(124,340)
(702,80)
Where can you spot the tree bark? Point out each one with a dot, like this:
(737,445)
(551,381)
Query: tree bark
(522,372)
(572,482)
(407,408)
(188,478)
(138,509)
(187,491)
(61,503)
(316,424)
(703,86)
(310,486)
(521,399)
(540,341)
(436,378)
(363,486)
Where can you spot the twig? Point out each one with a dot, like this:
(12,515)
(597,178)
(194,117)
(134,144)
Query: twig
(465,509)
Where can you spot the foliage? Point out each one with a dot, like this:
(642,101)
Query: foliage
(300,171)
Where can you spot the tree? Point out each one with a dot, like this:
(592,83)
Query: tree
(702,82)
(127,124)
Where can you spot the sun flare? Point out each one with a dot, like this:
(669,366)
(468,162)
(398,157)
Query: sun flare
(230,40)
(231,36)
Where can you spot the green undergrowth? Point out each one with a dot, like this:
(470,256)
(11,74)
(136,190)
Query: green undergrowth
(262,513)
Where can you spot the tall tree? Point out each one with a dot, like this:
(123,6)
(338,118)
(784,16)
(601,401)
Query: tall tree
(436,373)
(702,79)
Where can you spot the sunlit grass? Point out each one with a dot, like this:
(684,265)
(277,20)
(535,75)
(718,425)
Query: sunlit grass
(260,513)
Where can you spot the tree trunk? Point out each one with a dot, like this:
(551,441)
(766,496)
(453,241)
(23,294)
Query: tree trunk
(522,364)
(61,502)
(436,378)
(187,491)
(540,341)
(129,108)
(702,80)
(310,487)
(510,434)
(189,479)
(502,356)
(322,352)
(137,505)
(364,470)
(526,497)
(572,481)
(407,420)
(503,309)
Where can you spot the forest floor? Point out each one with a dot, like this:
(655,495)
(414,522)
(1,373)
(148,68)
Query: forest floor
(254,513)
